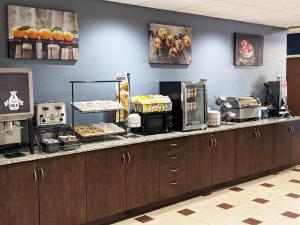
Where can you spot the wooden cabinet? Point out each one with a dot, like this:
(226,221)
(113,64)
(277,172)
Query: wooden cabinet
(173,168)
(246,145)
(62,190)
(81,188)
(200,162)
(254,150)
(295,142)
(287,143)
(282,153)
(142,174)
(265,149)
(19,203)
(223,156)
(105,177)
(120,179)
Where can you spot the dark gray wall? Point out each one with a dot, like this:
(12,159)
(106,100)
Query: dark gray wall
(113,38)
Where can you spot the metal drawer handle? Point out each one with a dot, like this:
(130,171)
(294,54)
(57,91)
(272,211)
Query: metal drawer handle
(216,142)
(42,174)
(174,157)
(293,128)
(124,158)
(173,145)
(174,170)
(174,183)
(255,135)
(35,176)
(211,142)
(259,135)
(129,158)
(290,129)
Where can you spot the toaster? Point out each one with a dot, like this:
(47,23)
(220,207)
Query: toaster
(245,108)
(50,113)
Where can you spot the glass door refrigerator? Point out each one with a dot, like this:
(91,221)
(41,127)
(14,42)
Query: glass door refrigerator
(189,101)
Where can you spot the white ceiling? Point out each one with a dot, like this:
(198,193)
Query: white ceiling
(279,13)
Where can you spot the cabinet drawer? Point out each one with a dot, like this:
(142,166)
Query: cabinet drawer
(176,158)
(173,171)
(172,145)
(172,187)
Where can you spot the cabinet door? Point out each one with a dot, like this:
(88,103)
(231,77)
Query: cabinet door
(265,149)
(246,145)
(19,204)
(200,156)
(224,157)
(295,142)
(62,191)
(142,174)
(105,177)
(282,153)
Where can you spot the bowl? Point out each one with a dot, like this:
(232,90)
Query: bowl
(246,55)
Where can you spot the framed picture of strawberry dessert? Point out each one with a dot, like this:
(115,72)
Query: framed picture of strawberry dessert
(248,49)
(42,34)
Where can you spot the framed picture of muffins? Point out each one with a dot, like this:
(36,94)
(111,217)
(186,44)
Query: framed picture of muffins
(248,49)
(170,44)
(42,34)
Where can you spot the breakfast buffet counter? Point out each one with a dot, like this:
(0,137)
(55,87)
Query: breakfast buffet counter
(123,141)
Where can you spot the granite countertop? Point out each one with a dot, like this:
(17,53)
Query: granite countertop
(123,141)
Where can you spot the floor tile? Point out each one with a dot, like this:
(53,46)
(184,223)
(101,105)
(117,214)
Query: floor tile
(251,209)
(186,212)
(280,220)
(252,221)
(237,189)
(271,200)
(261,200)
(286,204)
(164,211)
(216,216)
(267,185)
(291,215)
(225,206)
(144,219)
(295,181)
(177,219)
(128,222)
(293,195)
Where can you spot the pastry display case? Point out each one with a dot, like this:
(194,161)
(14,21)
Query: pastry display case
(102,128)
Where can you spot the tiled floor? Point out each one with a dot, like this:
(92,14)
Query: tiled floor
(272,200)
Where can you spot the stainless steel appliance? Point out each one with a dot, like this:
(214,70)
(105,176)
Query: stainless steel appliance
(245,108)
(16,107)
(50,113)
(189,101)
(155,123)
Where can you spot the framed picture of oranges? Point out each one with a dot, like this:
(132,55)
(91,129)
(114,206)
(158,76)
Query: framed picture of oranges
(248,49)
(170,44)
(42,34)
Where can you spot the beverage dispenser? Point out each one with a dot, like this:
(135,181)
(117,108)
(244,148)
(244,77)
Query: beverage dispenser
(16,108)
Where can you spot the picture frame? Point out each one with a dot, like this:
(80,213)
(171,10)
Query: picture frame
(170,44)
(42,34)
(248,49)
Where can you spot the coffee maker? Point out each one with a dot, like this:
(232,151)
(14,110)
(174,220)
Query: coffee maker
(276,98)
(16,110)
